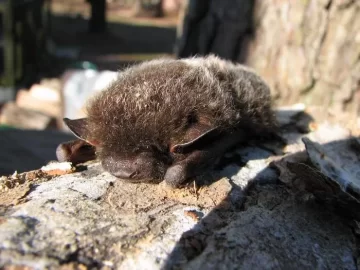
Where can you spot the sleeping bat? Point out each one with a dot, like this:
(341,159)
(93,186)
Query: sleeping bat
(170,119)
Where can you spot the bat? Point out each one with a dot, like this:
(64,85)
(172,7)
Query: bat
(170,119)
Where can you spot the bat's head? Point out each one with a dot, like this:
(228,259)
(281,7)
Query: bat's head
(146,161)
(142,162)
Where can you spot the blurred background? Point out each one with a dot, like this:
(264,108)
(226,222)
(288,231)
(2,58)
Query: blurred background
(55,53)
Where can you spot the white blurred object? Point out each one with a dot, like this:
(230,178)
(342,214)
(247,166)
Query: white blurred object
(79,86)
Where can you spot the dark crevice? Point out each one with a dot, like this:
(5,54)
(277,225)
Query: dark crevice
(328,5)
(32,187)
(323,36)
(307,89)
(347,4)
(77,259)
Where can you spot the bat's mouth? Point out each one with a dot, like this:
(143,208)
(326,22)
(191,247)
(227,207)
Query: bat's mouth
(143,180)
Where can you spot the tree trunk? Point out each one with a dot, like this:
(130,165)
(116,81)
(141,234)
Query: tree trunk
(97,22)
(217,26)
(308,51)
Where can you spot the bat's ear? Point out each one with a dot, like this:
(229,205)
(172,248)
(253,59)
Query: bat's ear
(80,129)
(197,138)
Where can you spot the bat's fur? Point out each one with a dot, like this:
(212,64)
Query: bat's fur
(153,103)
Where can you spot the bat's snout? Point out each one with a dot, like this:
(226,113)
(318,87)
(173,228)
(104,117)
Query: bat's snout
(143,167)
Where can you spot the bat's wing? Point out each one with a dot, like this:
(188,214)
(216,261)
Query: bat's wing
(78,127)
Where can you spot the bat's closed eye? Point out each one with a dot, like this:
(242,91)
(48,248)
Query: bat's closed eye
(86,147)
(134,174)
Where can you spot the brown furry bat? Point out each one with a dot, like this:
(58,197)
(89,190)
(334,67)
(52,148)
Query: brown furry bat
(171,119)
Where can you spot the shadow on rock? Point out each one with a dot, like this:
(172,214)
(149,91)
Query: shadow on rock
(25,150)
(306,220)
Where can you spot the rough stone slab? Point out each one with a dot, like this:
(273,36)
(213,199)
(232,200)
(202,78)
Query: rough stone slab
(71,218)
(255,167)
(244,219)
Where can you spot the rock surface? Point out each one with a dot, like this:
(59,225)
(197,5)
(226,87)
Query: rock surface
(244,219)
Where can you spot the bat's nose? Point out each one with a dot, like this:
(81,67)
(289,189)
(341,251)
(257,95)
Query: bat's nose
(120,168)
(143,167)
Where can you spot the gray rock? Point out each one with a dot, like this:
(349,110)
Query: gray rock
(244,219)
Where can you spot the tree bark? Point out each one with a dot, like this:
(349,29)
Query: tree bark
(308,51)
(97,22)
(214,26)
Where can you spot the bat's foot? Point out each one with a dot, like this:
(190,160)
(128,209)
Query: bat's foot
(76,151)
(199,161)
(175,176)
